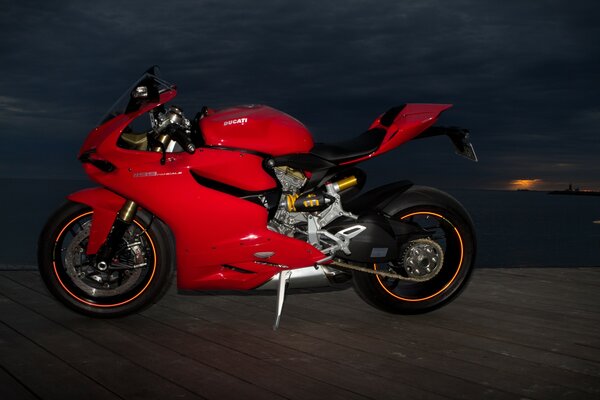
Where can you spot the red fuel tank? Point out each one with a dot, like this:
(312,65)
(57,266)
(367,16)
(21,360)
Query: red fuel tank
(258,128)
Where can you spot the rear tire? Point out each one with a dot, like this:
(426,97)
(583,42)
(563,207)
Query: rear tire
(453,232)
(72,278)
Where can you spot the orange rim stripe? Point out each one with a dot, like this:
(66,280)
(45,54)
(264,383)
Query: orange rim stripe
(90,303)
(455,274)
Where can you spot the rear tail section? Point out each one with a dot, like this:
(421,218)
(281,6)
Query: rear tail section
(406,122)
(401,124)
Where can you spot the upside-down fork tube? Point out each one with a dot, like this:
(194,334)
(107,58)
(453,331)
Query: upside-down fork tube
(115,235)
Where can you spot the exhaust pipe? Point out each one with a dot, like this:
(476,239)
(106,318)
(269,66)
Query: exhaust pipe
(310,277)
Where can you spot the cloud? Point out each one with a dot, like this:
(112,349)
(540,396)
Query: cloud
(522,75)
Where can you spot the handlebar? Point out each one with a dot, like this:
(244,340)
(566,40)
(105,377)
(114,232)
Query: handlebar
(182,137)
(173,125)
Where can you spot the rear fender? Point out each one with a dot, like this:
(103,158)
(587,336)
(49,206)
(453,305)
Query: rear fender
(106,206)
(392,198)
(377,199)
(423,196)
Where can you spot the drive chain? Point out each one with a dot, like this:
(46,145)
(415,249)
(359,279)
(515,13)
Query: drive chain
(343,265)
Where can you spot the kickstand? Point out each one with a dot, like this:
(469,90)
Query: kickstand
(283,278)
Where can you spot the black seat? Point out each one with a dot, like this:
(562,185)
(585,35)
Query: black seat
(360,146)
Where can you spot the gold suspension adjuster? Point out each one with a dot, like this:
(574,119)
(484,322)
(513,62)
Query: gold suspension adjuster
(320,200)
(345,183)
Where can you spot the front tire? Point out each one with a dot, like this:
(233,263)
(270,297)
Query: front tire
(451,230)
(137,276)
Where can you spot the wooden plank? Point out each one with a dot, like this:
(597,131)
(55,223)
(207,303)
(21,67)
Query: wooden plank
(12,388)
(349,378)
(285,357)
(107,368)
(342,368)
(496,354)
(471,302)
(16,267)
(528,282)
(533,315)
(391,350)
(174,365)
(542,337)
(527,329)
(363,354)
(40,372)
(490,292)
(456,318)
(249,368)
(572,275)
(532,353)
(490,342)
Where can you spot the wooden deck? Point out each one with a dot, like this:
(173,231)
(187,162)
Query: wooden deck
(514,333)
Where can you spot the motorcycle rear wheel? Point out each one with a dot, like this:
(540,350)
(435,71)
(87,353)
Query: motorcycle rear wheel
(453,232)
(136,278)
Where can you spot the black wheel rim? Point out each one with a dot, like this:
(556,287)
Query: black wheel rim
(121,283)
(447,235)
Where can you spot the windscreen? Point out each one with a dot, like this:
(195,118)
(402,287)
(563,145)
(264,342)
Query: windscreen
(127,103)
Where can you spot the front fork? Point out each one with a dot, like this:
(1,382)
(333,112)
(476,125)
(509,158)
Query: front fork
(123,220)
(113,240)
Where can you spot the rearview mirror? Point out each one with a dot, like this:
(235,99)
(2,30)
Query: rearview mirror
(140,92)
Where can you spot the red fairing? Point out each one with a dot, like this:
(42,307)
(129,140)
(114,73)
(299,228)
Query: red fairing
(212,229)
(116,125)
(410,122)
(106,205)
(258,128)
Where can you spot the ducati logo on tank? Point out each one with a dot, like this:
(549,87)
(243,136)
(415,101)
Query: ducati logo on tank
(239,121)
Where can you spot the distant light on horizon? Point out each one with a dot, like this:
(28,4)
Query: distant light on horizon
(525,184)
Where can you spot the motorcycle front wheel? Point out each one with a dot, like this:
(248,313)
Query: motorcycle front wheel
(136,277)
(438,266)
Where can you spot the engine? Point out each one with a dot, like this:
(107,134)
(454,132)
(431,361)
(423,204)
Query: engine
(305,215)
(291,181)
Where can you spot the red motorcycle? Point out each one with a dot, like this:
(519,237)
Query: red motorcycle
(241,198)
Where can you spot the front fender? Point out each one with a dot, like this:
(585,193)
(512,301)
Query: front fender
(106,206)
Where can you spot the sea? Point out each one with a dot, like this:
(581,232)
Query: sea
(514,228)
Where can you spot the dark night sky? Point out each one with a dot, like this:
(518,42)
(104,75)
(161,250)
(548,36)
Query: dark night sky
(523,76)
